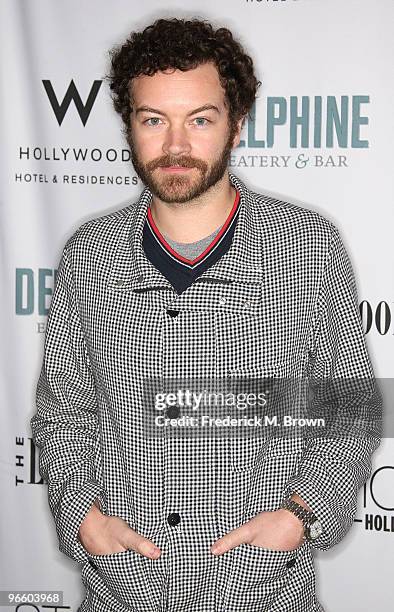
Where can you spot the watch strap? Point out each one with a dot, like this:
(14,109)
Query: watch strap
(307,517)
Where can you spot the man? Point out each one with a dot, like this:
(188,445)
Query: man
(200,279)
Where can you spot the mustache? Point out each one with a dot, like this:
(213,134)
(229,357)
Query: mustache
(167,162)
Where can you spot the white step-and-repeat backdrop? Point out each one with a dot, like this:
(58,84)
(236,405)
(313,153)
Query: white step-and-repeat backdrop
(321,136)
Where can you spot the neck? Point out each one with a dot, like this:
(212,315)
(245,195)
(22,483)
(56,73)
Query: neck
(193,220)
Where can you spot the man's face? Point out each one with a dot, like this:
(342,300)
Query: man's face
(174,133)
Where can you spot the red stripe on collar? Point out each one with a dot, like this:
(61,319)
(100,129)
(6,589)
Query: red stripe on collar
(202,255)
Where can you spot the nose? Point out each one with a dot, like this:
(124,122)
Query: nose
(176,141)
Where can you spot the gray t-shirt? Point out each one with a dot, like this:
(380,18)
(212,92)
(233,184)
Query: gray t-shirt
(191,250)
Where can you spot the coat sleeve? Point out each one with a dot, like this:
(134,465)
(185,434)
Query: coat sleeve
(343,391)
(64,426)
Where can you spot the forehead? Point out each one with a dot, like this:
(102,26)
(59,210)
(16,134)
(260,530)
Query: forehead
(178,87)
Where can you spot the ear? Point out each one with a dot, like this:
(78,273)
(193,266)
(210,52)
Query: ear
(237,135)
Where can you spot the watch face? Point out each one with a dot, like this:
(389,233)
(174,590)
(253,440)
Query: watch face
(315,530)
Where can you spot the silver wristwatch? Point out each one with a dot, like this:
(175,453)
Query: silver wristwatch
(312,526)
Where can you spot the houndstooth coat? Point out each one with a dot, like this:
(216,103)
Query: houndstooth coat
(281,302)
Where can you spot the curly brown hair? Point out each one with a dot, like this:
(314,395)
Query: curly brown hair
(177,43)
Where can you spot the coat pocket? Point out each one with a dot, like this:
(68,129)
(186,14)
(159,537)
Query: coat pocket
(258,575)
(126,576)
(262,396)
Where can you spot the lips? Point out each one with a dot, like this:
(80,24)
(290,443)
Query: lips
(175,168)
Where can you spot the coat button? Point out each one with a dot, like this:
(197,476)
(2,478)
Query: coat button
(173,412)
(291,562)
(173,519)
(173,313)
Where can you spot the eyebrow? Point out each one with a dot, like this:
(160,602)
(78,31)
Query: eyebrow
(205,107)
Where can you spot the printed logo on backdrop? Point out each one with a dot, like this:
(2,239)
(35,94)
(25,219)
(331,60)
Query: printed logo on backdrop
(70,103)
(304,131)
(33,292)
(377,318)
(27,473)
(26,462)
(377,504)
(72,94)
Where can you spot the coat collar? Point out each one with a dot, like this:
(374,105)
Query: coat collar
(242,262)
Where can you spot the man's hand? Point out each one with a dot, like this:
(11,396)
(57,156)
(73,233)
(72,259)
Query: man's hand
(104,535)
(277,530)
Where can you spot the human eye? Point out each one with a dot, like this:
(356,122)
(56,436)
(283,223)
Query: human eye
(151,119)
(202,119)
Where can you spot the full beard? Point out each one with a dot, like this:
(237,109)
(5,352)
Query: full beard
(177,187)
